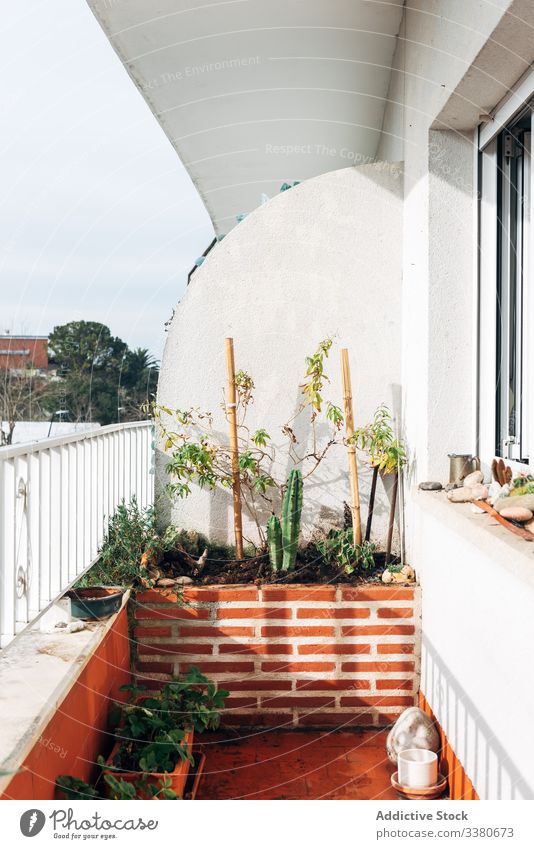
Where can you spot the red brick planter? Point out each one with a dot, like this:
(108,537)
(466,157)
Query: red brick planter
(296,656)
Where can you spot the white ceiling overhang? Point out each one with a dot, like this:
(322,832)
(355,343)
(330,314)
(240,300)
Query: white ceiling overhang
(256,93)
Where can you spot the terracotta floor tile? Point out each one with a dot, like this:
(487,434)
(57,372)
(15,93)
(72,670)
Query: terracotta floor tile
(297,765)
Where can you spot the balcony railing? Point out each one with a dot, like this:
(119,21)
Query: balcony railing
(56,498)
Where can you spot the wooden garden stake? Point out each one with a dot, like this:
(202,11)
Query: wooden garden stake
(372,497)
(392,515)
(231,410)
(351,448)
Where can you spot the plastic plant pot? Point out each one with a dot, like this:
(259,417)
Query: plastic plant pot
(418,768)
(95,602)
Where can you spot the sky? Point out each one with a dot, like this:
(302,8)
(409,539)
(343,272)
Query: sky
(98,218)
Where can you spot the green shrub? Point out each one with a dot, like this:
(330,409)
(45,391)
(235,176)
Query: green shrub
(131,532)
(338,549)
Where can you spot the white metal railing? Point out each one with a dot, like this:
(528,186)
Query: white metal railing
(56,498)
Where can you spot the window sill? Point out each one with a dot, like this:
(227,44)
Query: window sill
(480,530)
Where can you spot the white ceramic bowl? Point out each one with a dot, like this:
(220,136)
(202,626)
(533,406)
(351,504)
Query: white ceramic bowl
(418,768)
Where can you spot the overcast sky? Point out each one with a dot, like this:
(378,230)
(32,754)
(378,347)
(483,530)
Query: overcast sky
(98,218)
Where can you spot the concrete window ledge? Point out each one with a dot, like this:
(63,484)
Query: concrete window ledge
(479,530)
(38,671)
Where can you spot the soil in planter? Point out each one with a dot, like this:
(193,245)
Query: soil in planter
(310,569)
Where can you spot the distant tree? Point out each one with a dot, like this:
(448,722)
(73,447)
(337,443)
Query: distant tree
(99,378)
(86,347)
(21,399)
(139,382)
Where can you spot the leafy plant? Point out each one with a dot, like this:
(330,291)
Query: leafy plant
(152,730)
(121,789)
(199,458)
(131,533)
(386,453)
(74,788)
(194,543)
(338,549)
(69,787)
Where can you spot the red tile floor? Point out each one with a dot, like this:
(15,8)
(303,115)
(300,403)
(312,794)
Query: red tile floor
(249,764)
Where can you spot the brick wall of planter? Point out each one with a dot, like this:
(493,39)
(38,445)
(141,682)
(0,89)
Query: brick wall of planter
(298,656)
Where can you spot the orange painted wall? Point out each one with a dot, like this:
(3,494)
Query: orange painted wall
(460,786)
(78,728)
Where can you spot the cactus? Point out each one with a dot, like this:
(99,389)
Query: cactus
(291,511)
(274,542)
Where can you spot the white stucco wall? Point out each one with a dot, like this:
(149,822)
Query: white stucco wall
(321,259)
(477,586)
(443,46)
(454,62)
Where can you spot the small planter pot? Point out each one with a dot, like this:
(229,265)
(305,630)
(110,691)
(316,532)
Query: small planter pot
(178,777)
(95,602)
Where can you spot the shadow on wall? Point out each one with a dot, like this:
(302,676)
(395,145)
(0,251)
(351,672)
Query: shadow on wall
(316,516)
(490,768)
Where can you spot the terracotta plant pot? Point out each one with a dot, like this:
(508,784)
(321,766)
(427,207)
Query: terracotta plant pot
(178,777)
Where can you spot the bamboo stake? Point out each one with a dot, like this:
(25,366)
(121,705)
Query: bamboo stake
(231,411)
(351,448)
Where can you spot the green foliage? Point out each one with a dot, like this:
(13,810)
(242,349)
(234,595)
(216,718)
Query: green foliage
(274,542)
(315,376)
(195,544)
(338,549)
(119,788)
(194,462)
(377,438)
(334,415)
(131,532)
(523,485)
(151,732)
(144,787)
(98,374)
(199,457)
(291,514)
(70,787)
(260,438)
(152,729)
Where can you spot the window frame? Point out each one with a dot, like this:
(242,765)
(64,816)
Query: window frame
(490,272)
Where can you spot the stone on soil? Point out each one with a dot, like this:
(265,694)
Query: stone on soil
(165,582)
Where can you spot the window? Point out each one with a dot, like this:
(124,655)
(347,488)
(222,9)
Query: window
(506,295)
